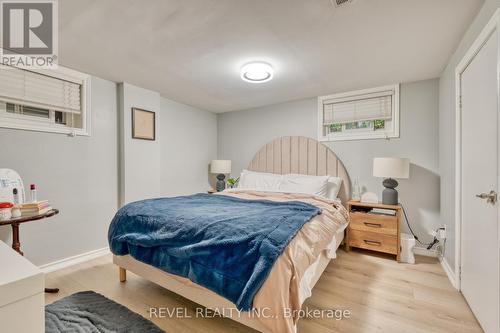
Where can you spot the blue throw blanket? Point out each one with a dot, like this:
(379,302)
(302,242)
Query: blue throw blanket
(225,244)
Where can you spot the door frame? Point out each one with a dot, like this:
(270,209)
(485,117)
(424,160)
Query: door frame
(492,26)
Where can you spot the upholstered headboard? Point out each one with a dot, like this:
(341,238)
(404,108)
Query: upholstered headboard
(298,154)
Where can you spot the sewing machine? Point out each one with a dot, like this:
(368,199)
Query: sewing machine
(9,180)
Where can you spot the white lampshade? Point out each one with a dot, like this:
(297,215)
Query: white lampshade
(390,167)
(220,166)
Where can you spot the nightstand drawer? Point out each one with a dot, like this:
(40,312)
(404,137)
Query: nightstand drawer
(374,223)
(373,241)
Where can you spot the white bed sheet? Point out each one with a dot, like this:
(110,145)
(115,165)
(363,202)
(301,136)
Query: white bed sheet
(314,271)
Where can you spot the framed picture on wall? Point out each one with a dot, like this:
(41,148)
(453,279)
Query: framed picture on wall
(143,124)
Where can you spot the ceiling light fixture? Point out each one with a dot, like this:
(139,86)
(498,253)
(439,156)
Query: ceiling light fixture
(257,72)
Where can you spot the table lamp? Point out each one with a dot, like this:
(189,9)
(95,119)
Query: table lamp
(390,168)
(221,167)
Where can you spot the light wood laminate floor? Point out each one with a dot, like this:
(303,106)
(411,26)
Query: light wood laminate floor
(381,294)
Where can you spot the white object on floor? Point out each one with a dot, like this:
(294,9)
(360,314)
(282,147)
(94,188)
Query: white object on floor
(22,302)
(407,244)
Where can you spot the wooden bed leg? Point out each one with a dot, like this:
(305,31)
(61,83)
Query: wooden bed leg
(123,274)
(346,241)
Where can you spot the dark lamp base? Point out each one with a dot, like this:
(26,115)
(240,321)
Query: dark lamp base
(390,195)
(221,184)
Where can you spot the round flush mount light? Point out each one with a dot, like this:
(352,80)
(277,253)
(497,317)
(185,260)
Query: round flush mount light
(257,72)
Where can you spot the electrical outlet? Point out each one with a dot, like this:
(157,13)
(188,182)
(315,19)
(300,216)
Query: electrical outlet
(442,233)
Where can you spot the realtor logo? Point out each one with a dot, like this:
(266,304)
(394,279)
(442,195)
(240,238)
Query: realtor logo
(29,33)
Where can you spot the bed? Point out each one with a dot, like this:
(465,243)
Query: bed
(305,257)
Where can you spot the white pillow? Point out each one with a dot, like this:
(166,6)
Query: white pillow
(315,185)
(325,186)
(333,187)
(259,181)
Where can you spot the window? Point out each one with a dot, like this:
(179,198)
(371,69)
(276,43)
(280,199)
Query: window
(364,114)
(45,100)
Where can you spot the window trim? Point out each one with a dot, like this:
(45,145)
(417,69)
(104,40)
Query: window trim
(364,135)
(23,122)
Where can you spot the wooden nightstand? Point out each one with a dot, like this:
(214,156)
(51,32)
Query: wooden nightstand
(371,231)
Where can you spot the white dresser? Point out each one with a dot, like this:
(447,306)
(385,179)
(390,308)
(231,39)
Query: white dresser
(22,304)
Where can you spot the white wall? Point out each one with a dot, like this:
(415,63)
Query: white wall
(78,175)
(189,143)
(242,133)
(447,126)
(81,177)
(177,161)
(139,159)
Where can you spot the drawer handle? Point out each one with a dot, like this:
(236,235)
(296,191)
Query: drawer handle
(373,225)
(370,242)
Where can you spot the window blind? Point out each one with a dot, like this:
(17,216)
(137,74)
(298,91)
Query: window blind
(23,87)
(358,108)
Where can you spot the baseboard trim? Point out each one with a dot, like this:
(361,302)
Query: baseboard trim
(70,261)
(449,272)
(421,251)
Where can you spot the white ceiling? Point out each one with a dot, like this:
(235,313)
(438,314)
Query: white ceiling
(191,50)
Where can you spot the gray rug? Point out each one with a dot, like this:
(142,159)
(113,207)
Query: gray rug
(89,312)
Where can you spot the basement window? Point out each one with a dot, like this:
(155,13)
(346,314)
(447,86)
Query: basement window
(357,115)
(45,100)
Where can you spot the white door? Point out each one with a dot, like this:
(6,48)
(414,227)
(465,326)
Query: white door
(480,247)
